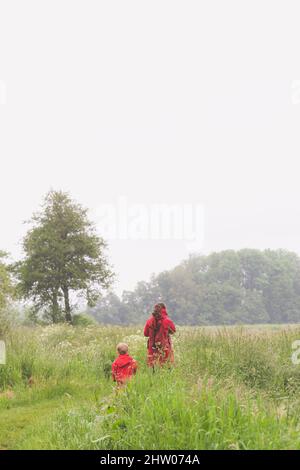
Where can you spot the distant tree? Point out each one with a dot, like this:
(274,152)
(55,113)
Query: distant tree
(282,290)
(140,301)
(63,256)
(6,285)
(111,310)
(6,293)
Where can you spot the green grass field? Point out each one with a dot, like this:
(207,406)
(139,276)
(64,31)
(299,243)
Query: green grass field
(231,388)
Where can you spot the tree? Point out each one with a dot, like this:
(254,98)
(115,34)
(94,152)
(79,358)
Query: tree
(6,293)
(6,288)
(63,256)
(111,310)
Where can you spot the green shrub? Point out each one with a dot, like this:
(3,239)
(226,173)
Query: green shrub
(83,319)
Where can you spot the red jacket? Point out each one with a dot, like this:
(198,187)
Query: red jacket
(123,368)
(158,331)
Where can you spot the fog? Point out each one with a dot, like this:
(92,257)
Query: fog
(158,104)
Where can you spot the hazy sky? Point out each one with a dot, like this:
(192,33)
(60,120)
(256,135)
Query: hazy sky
(156,102)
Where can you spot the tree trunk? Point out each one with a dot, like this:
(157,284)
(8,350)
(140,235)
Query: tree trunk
(55,307)
(68,315)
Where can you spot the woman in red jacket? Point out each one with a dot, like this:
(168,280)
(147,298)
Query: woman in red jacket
(158,329)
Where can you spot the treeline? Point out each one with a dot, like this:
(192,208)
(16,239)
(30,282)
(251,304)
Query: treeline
(229,287)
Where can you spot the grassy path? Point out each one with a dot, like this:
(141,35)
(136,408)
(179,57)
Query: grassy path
(16,421)
(32,409)
(29,410)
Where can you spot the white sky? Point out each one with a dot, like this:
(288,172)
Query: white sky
(158,102)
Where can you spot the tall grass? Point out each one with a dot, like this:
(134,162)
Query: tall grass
(230,388)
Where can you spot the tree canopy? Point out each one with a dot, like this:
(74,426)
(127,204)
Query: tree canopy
(64,256)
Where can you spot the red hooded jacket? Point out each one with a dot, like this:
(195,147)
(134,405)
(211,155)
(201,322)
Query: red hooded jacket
(159,343)
(123,368)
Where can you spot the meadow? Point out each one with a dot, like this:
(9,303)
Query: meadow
(230,388)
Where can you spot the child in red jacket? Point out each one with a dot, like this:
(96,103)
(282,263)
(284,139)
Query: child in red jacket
(124,366)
